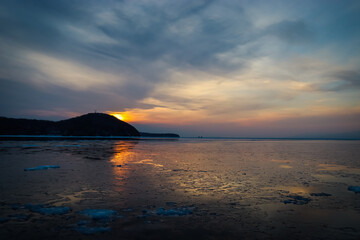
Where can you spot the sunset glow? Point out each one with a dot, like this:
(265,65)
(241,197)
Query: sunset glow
(121,116)
(118,116)
(240,68)
(180,119)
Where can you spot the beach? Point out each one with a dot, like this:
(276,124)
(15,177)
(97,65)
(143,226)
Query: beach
(180,189)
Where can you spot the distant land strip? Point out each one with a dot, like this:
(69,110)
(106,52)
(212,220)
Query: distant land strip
(88,126)
(57,137)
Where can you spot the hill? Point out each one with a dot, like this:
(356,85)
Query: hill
(91,124)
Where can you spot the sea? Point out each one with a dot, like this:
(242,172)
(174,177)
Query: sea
(186,188)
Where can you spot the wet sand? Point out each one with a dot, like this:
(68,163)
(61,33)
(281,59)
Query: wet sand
(185,189)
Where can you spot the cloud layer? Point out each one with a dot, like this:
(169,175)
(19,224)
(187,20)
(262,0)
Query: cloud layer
(183,63)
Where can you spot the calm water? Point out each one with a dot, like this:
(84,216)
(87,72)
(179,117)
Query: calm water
(182,189)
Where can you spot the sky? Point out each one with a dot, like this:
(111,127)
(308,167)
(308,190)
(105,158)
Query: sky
(244,68)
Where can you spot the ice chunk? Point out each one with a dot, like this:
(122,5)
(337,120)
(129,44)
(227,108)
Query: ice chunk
(128,210)
(53,210)
(20,217)
(47,210)
(355,189)
(4,219)
(29,145)
(322,194)
(142,216)
(99,214)
(68,145)
(174,212)
(44,167)
(33,206)
(298,200)
(91,230)
(171,204)
(83,222)
(15,206)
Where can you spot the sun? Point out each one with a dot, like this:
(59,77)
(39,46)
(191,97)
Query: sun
(120,115)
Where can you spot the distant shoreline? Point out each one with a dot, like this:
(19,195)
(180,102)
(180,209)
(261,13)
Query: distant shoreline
(88,126)
(60,137)
(269,138)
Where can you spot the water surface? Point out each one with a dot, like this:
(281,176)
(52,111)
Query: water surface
(225,189)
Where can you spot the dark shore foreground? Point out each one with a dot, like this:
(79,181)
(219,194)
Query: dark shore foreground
(186,189)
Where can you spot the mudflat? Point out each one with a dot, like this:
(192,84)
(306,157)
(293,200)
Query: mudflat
(180,189)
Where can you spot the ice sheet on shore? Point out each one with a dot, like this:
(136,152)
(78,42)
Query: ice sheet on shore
(72,145)
(43,167)
(39,208)
(99,214)
(297,200)
(322,194)
(4,219)
(20,217)
(355,189)
(175,211)
(91,230)
(29,145)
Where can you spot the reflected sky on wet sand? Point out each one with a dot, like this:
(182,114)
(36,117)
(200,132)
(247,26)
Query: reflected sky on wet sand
(190,187)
